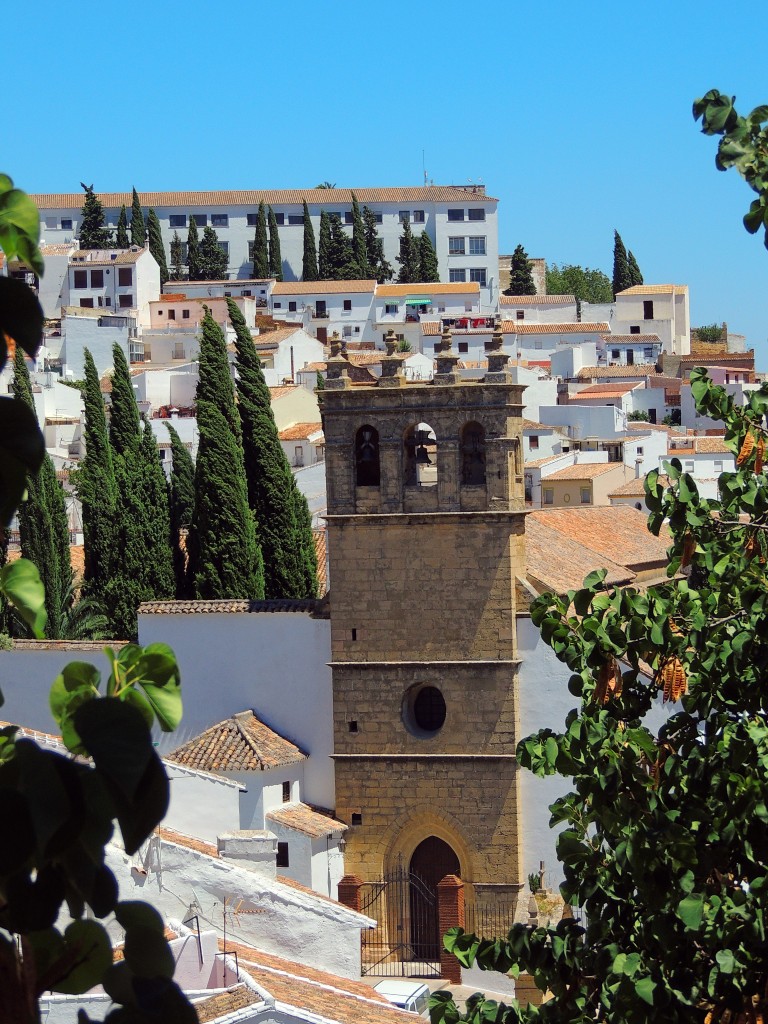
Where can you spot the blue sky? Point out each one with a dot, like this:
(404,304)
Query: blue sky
(576,116)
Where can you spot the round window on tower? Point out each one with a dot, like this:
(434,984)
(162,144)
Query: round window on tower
(424,710)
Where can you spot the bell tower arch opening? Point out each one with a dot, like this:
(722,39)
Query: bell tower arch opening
(367,461)
(420,456)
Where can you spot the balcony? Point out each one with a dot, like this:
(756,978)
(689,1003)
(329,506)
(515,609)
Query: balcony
(319,314)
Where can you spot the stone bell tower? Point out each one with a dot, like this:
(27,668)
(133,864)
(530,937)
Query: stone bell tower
(425,539)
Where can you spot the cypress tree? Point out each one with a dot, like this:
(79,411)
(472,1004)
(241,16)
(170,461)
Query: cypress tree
(520,276)
(324,249)
(43,524)
(177,259)
(138,228)
(270,481)
(96,488)
(93,234)
(427,259)
(634,271)
(359,248)
(182,504)
(193,251)
(156,245)
(621,275)
(377,263)
(260,247)
(341,257)
(309,262)
(121,239)
(408,257)
(225,560)
(213,261)
(124,420)
(275,257)
(306,547)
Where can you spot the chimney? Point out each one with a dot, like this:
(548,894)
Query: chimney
(638,467)
(253,849)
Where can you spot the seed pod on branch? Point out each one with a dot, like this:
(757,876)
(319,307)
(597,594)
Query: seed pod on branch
(689,547)
(609,681)
(746,448)
(671,678)
(759,456)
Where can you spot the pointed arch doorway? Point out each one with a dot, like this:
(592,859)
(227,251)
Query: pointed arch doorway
(430,862)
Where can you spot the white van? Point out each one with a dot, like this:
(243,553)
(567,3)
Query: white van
(408,995)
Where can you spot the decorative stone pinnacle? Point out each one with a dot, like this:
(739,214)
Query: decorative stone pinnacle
(391,366)
(497,358)
(391,342)
(446,360)
(337,372)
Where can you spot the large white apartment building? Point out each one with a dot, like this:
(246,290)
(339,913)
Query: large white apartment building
(462,223)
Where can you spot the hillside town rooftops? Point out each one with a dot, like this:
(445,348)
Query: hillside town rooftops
(537,300)
(606,390)
(617,533)
(583,471)
(240,743)
(635,370)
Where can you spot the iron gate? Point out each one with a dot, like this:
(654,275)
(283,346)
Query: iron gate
(406,939)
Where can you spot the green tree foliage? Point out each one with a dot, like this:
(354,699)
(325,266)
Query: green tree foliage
(744,145)
(428,270)
(213,261)
(156,245)
(408,257)
(121,239)
(270,481)
(326,184)
(622,278)
(138,228)
(124,419)
(193,251)
(309,261)
(359,248)
(177,258)
(378,267)
(324,248)
(520,276)
(341,257)
(634,271)
(43,524)
(585,284)
(275,256)
(225,560)
(712,333)
(260,245)
(319,381)
(96,489)
(93,234)
(307,551)
(182,505)
(665,835)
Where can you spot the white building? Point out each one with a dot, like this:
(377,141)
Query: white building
(703,458)
(326,307)
(656,309)
(114,280)
(461,221)
(539,309)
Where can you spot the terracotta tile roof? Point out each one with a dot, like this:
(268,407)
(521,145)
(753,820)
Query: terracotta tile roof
(618,533)
(229,606)
(56,248)
(309,820)
(300,431)
(634,488)
(240,743)
(566,569)
(46,738)
(711,445)
(320,538)
(172,836)
(534,425)
(632,337)
(519,327)
(313,368)
(325,198)
(541,462)
(435,288)
(273,338)
(615,390)
(655,289)
(322,287)
(583,471)
(316,992)
(235,998)
(537,300)
(91,258)
(118,952)
(636,370)
(642,425)
(275,394)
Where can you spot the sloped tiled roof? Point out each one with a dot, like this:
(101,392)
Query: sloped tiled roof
(320,538)
(617,533)
(655,289)
(632,338)
(434,288)
(300,431)
(322,287)
(98,259)
(526,327)
(606,390)
(584,471)
(190,842)
(276,393)
(560,563)
(711,445)
(308,820)
(236,998)
(636,370)
(326,198)
(634,488)
(537,300)
(228,606)
(240,743)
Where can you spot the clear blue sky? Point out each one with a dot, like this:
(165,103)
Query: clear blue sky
(576,116)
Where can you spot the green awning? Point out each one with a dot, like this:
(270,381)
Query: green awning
(419,300)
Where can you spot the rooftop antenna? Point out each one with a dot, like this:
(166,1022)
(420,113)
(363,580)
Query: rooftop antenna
(423,168)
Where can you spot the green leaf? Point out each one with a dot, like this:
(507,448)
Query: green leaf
(89,943)
(691,910)
(21,315)
(20,228)
(725,961)
(645,988)
(137,914)
(21,584)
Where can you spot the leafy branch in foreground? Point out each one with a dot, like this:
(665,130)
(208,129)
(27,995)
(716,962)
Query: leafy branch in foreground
(665,831)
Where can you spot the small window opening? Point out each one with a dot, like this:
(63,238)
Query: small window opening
(286,792)
(282,856)
(357,818)
(352,726)
(367,461)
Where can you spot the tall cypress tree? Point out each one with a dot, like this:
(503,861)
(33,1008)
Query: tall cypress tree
(634,270)
(341,257)
(520,276)
(359,249)
(213,262)
(309,262)
(225,560)
(621,275)
(408,257)
(182,505)
(193,251)
(324,249)
(307,551)
(43,524)
(177,258)
(96,489)
(260,246)
(275,256)
(377,263)
(121,239)
(270,481)
(93,234)
(428,270)
(156,245)
(124,420)
(138,228)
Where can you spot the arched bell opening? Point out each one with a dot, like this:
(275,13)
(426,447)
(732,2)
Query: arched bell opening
(473,455)
(367,459)
(420,456)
